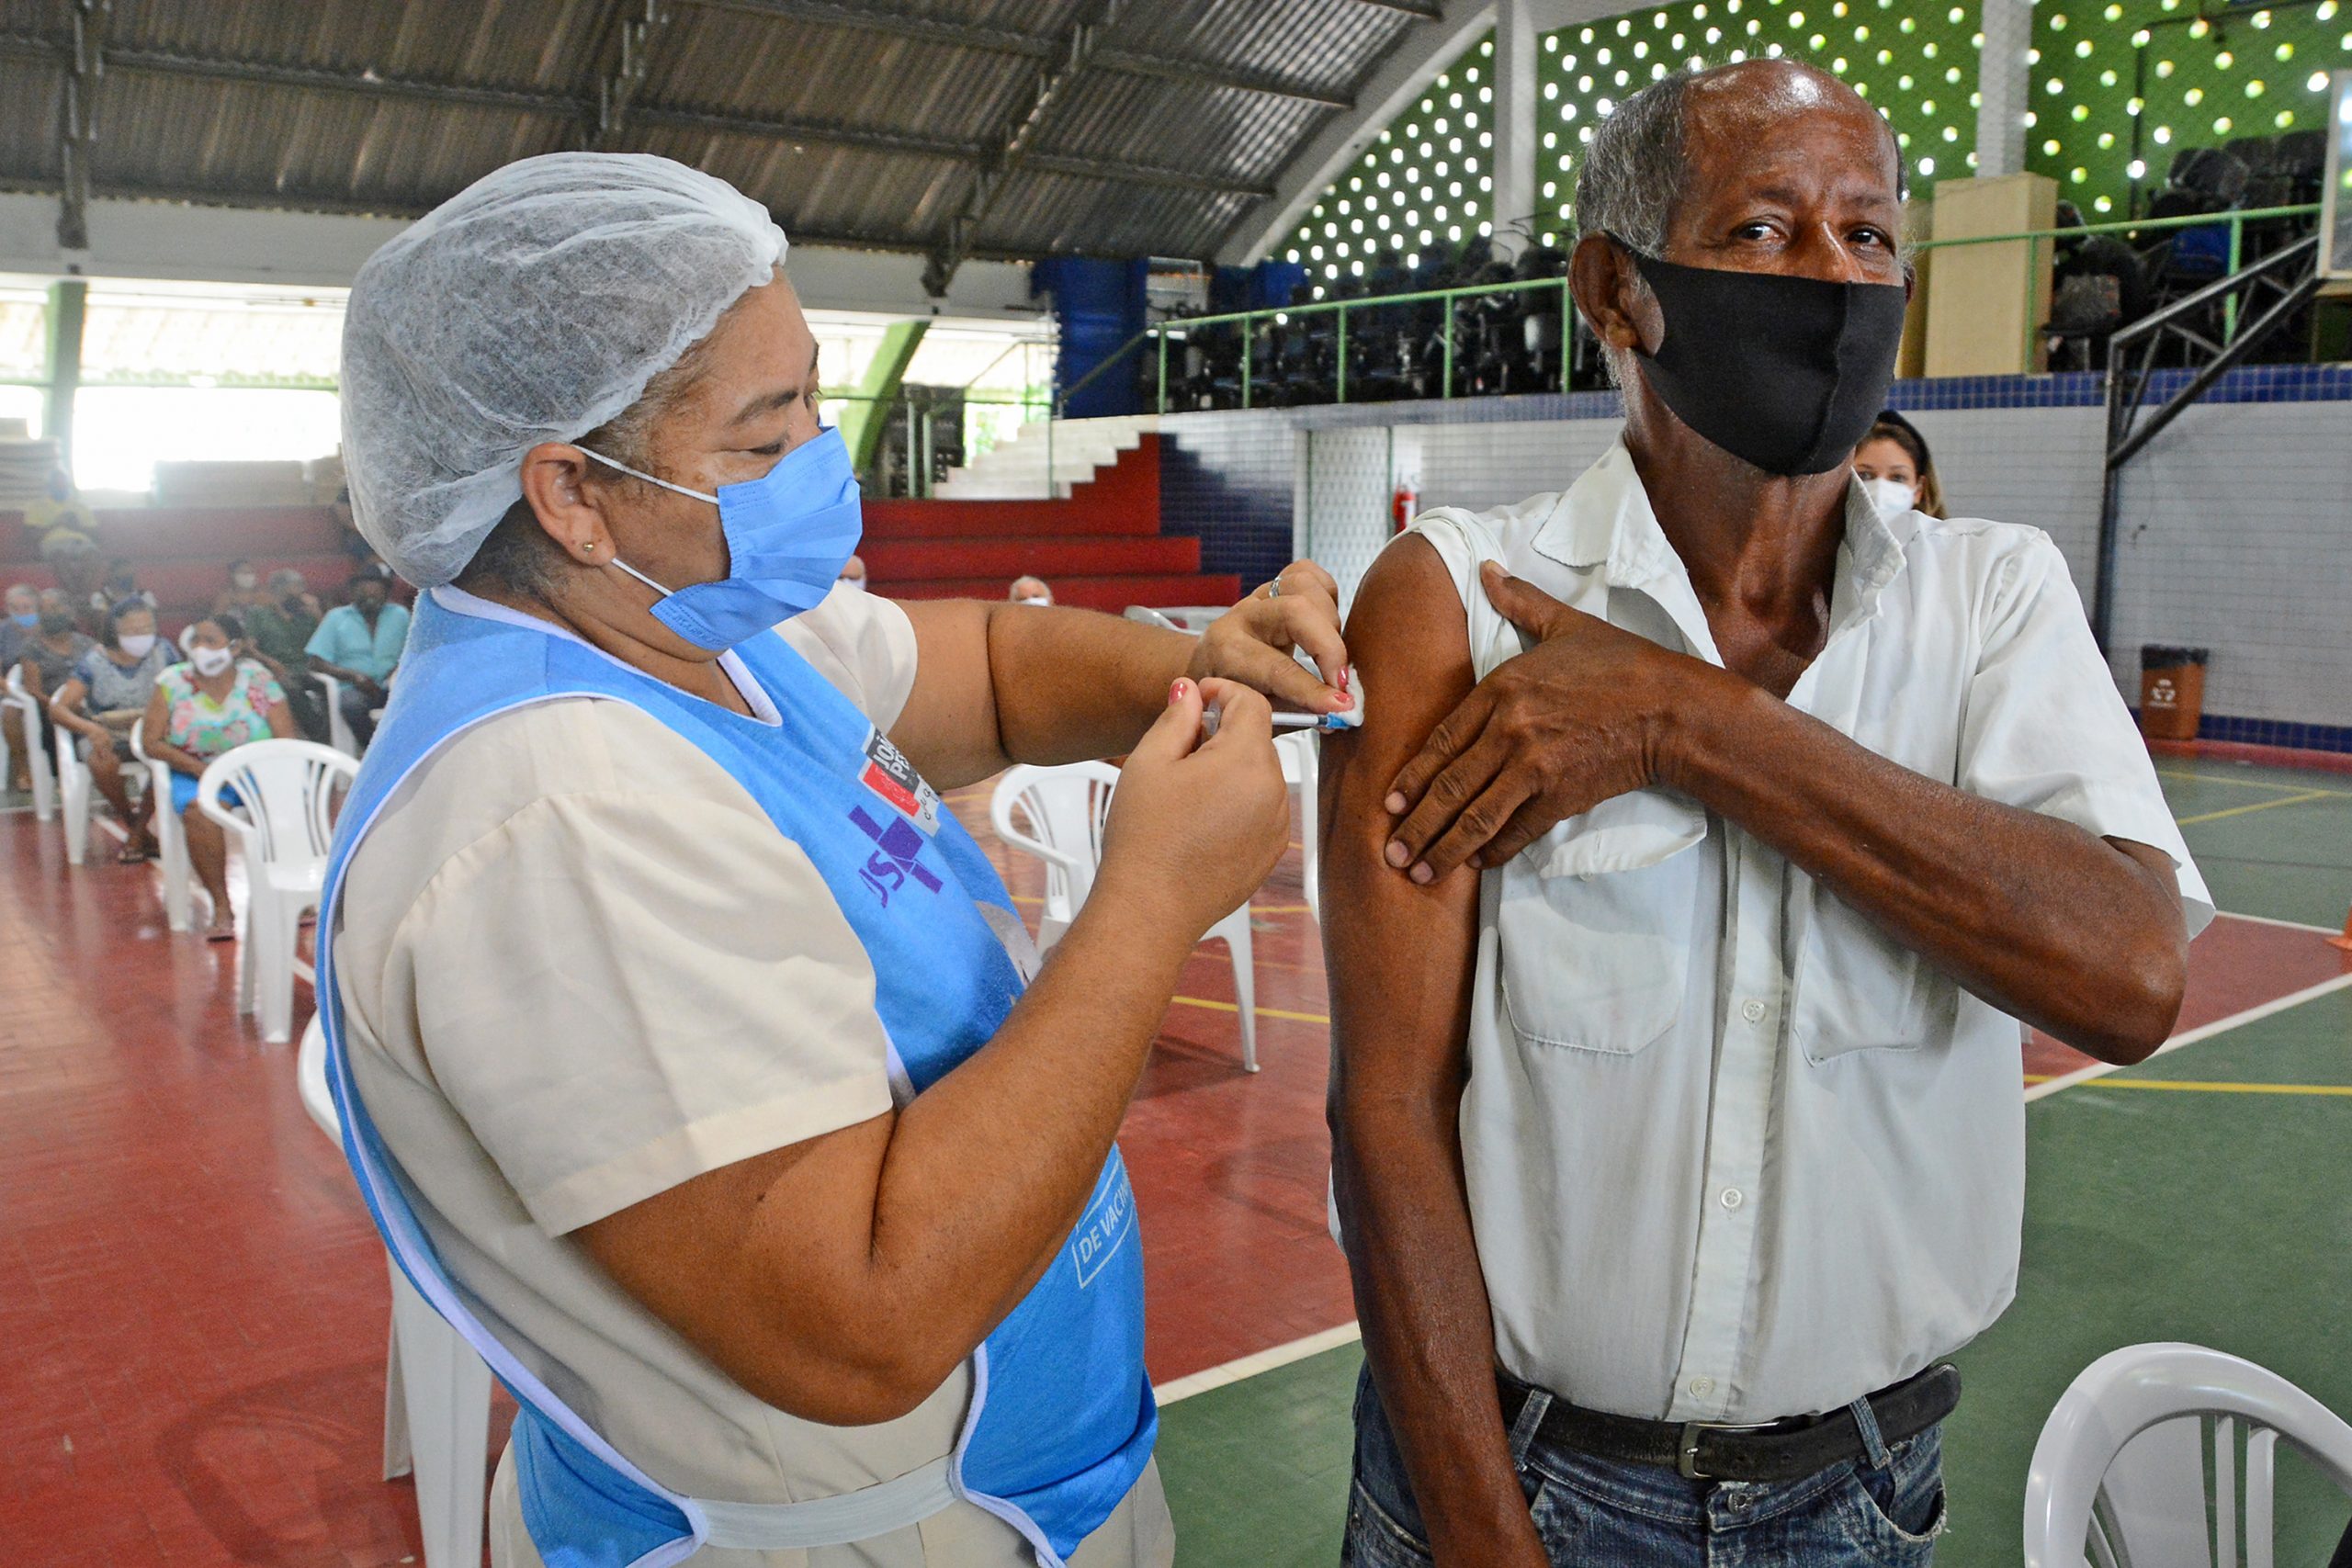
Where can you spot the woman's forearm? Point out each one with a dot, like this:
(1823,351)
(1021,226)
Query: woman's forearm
(1074,685)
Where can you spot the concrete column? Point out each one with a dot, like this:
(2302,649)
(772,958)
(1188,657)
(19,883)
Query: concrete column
(1516,137)
(62,367)
(2003,74)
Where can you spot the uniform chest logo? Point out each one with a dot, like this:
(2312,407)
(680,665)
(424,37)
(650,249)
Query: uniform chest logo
(896,860)
(889,775)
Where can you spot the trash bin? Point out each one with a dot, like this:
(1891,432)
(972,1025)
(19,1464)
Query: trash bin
(2171,691)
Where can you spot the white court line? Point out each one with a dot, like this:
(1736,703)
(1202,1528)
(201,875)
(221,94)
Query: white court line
(2190,1036)
(1348,1332)
(1260,1361)
(2268,920)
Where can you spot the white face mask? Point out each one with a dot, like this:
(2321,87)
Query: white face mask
(855,583)
(210,662)
(138,644)
(1891,497)
(1035,599)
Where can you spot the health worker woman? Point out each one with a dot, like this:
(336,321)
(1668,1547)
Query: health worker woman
(689,1051)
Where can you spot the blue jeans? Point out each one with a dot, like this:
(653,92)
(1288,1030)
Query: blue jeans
(1595,1513)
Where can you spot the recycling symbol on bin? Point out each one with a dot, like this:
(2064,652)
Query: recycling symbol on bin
(2160,694)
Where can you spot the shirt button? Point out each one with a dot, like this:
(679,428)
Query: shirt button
(1701,1387)
(1732,1197)
(1752,1010)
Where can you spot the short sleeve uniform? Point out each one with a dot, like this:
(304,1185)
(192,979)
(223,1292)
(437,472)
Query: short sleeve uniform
(580,966)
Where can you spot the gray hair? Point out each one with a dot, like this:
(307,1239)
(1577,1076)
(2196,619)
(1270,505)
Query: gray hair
(1636,169)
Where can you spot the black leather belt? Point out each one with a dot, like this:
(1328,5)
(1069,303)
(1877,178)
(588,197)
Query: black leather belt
(1702,1450)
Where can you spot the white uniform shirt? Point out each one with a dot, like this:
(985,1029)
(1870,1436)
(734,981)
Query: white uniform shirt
(1732,1153)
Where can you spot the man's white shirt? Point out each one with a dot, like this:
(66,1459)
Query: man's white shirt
(1732,1153)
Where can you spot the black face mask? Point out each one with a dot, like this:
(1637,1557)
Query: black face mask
(56,622)
(1782,372)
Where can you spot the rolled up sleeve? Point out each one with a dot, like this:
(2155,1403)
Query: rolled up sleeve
(620,991)
(2047,731)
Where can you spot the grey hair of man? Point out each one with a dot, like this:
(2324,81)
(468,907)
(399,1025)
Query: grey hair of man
(1637,166)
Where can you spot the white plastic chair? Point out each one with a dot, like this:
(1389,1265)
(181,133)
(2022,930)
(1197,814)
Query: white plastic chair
(338,727)
(1066,808)
(2118,1477)
(437,1387)
(44,777)
(1301,754)
(285,827)
(74,788)
(180,887)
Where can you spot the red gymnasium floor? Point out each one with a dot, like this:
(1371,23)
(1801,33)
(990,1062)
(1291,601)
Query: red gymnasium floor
(193,1305)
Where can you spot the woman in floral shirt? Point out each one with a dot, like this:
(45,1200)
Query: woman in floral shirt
(214,703)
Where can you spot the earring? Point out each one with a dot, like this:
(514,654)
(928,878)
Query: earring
(589,546)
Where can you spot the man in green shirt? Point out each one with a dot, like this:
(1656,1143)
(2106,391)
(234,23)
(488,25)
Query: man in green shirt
(279,628)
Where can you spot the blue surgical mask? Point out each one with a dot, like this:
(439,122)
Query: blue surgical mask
(788,535)
(28,620)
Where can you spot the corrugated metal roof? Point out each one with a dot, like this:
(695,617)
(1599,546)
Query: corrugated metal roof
(855,121)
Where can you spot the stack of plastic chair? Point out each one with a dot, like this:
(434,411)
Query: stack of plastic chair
(436,1388)
(284,823)
(37,757)
(171,836)
(1066,808)
(338,727)
(2119,1475)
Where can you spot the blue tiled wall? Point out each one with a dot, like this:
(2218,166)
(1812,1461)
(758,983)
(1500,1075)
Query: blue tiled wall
(1226,479)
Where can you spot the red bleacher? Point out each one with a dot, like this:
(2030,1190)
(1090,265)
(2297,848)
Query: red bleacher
(181,553)
(1101,549)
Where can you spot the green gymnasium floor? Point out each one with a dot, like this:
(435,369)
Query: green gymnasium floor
(2215,1209)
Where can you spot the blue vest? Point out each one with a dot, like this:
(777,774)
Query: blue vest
(1062,1420)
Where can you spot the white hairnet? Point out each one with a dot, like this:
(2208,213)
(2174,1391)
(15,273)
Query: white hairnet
(532,306)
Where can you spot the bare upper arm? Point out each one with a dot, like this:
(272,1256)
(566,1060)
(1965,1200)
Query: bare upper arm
(948,728)
(1399,1026)
(763,1267)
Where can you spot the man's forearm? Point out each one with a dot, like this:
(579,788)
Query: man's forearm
(2038,917)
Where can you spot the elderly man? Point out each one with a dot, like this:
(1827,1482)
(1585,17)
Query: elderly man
(1692,1139)
(1030,591)
(359,644)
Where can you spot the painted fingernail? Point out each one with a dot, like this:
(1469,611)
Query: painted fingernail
(1343,677)
(1175,692)
(1423,875)
(1398,854)
(1395,803)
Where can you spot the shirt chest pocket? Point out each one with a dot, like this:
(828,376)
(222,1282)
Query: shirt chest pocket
(1599,963)
(1858,989)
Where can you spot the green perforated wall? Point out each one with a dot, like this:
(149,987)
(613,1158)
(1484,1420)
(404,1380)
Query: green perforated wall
(2117,87)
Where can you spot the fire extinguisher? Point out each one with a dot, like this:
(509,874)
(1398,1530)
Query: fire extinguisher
(1404,506)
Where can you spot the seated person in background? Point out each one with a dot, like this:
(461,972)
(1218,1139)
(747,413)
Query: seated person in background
(1030,591)
(122,583)
(278,631)
(47,658)
(244,592)
(61,519)
(1895,465)
(854,573)
(1690,1141)
(24,619)
(105,695)
(81,573)
(359,645)
(213,702)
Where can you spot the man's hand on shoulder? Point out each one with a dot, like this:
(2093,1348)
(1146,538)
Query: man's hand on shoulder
(1590,712)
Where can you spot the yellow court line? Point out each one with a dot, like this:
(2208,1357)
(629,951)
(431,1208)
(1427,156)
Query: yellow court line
(2188,1086)
(1261,1012)
(2305,798)
(1278,908)
(2246,783)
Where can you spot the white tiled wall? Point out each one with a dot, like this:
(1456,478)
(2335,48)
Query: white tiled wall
(2237,525)
(2237,536)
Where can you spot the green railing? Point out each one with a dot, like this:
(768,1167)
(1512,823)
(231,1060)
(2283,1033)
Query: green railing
(1249,320)
(2236,222)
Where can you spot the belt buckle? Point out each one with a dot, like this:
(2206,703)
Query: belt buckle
(1686,1445)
